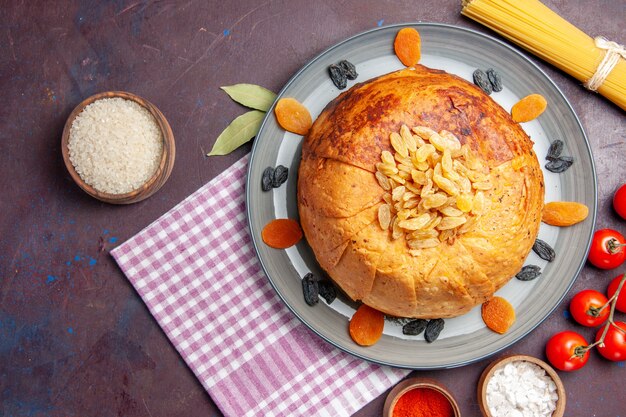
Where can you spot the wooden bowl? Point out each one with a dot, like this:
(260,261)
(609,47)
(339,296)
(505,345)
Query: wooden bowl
(412,383)
(165,164)
(498,363)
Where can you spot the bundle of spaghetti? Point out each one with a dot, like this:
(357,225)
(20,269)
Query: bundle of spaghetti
(536,28)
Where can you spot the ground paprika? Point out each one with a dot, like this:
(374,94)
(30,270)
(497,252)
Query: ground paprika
(423,402)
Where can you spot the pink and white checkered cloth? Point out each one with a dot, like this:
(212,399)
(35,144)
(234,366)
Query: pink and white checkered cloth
(196,269)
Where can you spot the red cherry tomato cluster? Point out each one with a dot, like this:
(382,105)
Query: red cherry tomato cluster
(568,350)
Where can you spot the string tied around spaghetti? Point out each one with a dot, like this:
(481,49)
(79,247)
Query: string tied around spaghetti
(613,53)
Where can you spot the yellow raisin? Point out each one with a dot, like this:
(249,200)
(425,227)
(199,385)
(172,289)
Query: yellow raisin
(464,202)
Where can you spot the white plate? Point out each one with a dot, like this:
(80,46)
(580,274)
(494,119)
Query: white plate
(459,51)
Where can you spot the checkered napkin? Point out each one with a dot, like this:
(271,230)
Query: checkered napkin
(196,269)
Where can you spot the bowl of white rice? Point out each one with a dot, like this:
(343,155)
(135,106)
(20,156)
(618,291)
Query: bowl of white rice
(118,147)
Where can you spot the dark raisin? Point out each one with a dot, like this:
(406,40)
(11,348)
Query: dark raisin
(266,179)
(349,69)
(327,291)
(414,327)
(433,328)
(560,164)
(280,176)
(556,166)
(310,289)
(481,80)
(338,76)
(544,250)
(528,273)
(555,149)
(494,79)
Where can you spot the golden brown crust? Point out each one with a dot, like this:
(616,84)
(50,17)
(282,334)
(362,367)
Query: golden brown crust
(338,195)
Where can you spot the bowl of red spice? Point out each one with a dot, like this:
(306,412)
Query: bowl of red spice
(420,397)
(118,147)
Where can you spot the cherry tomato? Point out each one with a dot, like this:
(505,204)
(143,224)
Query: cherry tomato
(614,348)
(586,308)
(621,298)
(619,201)
(607,249)
(567,351)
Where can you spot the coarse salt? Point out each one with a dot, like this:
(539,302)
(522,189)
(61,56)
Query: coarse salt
(521,389)
(115,145)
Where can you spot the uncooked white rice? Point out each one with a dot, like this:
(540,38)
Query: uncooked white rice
(115,145)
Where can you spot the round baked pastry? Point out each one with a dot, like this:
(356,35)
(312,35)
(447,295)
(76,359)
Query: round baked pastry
(418,194)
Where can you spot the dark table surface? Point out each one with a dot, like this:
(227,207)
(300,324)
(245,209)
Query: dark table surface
(75,338)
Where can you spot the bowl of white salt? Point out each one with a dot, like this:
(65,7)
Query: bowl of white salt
(118,147)
(521,386)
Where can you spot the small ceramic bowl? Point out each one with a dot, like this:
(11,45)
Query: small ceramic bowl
(413,383)
(165,164)
(498,363)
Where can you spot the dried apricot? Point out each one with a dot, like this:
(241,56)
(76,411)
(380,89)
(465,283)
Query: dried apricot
(528,108)
(366,325)
(281,233)
(564,213)
(498,314)
(293,116)
(407,46)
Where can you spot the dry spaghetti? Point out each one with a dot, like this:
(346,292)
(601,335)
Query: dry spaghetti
(538,29)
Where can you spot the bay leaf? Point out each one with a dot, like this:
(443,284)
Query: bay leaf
(238,132)
(251,95)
